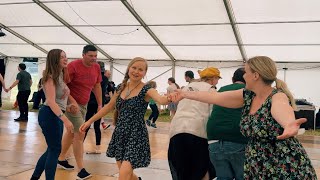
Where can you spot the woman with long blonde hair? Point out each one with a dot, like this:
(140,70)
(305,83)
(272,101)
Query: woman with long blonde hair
(268,122)
(129,144)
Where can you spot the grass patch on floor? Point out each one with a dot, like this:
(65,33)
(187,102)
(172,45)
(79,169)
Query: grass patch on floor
(163,117)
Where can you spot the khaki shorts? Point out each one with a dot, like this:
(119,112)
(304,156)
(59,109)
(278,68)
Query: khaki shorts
(77,119)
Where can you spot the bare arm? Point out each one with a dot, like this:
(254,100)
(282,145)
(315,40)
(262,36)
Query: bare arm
(98,94)
(2,82)
(153,94)
(71,100)
(281,110)
(14,84)
(51,102)
(229,99)
(105,110)
(283,113)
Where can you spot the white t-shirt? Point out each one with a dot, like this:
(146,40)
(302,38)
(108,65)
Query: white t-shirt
(171,88)
(192,116)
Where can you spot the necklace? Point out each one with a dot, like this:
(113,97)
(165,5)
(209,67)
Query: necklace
(129,91)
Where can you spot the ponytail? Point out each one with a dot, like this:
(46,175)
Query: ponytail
(283,87)
(178,87)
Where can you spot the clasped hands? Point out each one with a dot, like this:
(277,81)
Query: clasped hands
(72,108)
(176,96)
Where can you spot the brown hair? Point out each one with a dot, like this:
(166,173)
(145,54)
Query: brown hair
(267,69)
(53,69)
(174,82)
(125,81)
(153,84)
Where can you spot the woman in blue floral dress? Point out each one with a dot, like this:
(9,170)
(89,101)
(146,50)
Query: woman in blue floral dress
(130,142)
(268,121)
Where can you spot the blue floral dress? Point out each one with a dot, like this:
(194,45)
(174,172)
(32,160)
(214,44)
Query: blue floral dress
(130,139)
(267,157)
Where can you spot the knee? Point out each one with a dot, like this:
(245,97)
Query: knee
(55,150)
(78,137)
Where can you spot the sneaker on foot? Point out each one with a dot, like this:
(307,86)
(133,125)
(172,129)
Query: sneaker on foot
(65,165)
(148,122)
(83,174)
(153,125)
(104,126)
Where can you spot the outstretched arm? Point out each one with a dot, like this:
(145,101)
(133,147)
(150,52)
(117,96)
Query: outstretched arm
(153,94)
(101,113)
(229,99)
(283,113)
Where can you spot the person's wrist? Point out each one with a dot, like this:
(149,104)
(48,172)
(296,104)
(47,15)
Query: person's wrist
(99,106)
(60,115)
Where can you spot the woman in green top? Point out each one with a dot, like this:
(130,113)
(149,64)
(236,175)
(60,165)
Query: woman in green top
(154,108)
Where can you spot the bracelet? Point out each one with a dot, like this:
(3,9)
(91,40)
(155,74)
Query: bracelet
(100,106)
(60,115)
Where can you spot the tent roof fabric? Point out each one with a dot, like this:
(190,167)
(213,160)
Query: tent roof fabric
(166,30)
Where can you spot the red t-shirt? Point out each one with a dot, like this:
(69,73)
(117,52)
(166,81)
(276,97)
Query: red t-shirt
(82,80)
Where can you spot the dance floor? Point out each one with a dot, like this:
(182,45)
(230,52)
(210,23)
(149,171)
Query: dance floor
(22,143)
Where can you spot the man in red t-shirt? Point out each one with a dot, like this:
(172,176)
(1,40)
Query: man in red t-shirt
(85,76)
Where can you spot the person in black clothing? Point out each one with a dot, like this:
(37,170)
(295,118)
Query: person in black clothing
(24,83)
(39,96)
(110,86)
(92,110)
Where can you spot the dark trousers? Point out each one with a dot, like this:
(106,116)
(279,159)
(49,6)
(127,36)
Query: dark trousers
(22,99)
(155,112)
(40,96)
(52,129)
(188,157)
(92,110)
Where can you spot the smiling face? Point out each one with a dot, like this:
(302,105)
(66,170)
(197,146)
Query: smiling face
(63,60)
(137,70)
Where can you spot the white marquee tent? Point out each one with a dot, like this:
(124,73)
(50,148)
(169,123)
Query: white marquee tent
(175,35)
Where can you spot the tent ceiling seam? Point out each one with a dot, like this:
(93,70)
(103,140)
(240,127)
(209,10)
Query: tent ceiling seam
(145,26)
(174,25)
(61,20)
(23,38)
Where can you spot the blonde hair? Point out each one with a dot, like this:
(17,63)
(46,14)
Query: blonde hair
(153,84)
(267,69)
(125,81)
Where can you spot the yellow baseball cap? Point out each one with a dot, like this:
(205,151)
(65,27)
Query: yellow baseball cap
(209,72)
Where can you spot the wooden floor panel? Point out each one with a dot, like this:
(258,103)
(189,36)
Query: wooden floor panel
(22,143)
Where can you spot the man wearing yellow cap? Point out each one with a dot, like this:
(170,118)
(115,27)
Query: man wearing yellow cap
(188,153)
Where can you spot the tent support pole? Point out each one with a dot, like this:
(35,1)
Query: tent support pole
(227,5)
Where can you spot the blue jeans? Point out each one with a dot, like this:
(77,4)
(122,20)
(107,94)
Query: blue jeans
(52,129)
(228,159)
